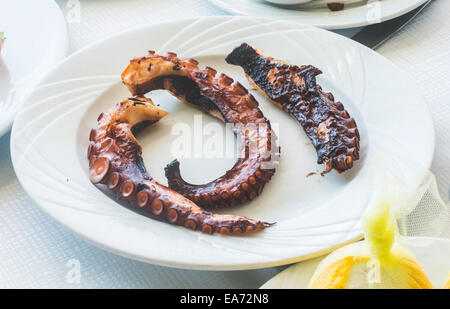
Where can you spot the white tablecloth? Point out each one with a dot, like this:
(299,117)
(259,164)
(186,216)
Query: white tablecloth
(36,252)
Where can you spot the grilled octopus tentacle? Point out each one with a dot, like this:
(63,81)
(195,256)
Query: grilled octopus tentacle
(294,89)
(225,100)
(115,160)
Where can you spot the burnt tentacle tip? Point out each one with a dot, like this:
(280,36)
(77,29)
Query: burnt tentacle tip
(172,169)
(267,224)
(242,228)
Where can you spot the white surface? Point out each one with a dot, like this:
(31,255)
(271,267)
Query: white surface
(288,2)
(351,16)
(30,50)
(431,253)
(313,2)
(35,250)
(313,214)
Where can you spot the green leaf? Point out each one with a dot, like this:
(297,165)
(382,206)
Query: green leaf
(2,37)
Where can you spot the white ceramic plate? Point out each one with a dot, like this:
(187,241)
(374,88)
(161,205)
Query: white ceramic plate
(313,214)
(36,40)
(351,16)
(432,253)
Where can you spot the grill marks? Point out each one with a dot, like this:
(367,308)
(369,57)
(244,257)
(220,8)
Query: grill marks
(294,89)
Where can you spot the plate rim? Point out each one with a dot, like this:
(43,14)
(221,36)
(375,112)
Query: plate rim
(330,26)
(199,266)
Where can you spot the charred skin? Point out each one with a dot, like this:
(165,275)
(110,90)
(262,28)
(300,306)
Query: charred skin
(222,98)
(115,161)
(294,89)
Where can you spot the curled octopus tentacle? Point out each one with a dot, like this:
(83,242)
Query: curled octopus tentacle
(293,88)
(226,100)
(115,161)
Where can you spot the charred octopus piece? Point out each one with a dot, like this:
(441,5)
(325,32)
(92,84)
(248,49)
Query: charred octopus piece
(115,161)
(224,99)
(294,89)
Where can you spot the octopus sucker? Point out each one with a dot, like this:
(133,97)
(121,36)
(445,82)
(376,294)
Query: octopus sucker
(332,131)
(115,161)
(222,97)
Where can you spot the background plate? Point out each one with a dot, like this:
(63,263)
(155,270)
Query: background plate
(31,49)
(432,254)
(313,214)
(353,16)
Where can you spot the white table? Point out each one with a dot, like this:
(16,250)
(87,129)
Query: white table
(36,252)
